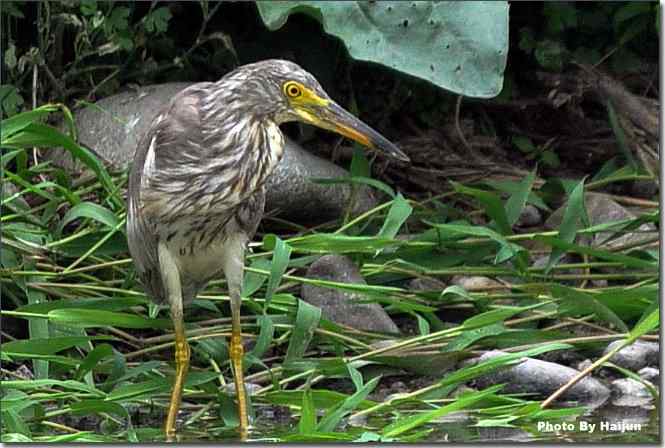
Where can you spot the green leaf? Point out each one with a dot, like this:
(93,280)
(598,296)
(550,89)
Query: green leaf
(397,215)
(492,204)
(550,158)
(423,325)
(550,54)
(307,320)
(601,254)
(11,100)
(13,125)
(332,418)
(40,384)
(98,318)
(324,243)
(134,391)
(651,322)
(359,163)
(307,424)
(524,144)
(462,402)
(40,135)
(253,281)
(96,303)
(93,358)
(569,225)
(158,20)
(577,303)
(509,249)
(470,38)
(469,337)
(322,398)
(280,261)
(89,210)
(421,364)
(15,401)
(87,407)
(47,346)
(498,315)
(267,330)
(517,200)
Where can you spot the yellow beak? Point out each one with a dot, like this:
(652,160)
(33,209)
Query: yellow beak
(335,118)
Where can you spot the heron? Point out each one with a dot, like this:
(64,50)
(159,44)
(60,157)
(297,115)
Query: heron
(197,190)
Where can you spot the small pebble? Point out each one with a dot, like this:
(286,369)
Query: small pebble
(650,374)
(628,392)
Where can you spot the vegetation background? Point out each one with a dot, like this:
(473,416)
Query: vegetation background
(85,357)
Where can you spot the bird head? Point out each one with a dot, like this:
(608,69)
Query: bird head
(295,95)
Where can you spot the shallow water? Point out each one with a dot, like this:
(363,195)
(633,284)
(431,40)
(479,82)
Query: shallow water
(609,424)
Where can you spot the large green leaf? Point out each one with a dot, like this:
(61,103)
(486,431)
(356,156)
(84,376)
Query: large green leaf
(460,46)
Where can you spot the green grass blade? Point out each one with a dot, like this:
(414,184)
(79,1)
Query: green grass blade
(570,223)
(406,424)
(397,215)
(332,418)
(307,320)
(280,261)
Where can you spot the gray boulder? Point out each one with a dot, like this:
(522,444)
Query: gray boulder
(603,209)
(113,126)
(635,356)
(543,378)
(343,307)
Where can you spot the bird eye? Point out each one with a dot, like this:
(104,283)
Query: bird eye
(292,90)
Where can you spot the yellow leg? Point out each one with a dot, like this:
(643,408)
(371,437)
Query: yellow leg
(181,366)
(171,279)
(233,269)
(237,352)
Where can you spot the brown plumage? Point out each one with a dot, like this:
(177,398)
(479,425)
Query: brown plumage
(196,188)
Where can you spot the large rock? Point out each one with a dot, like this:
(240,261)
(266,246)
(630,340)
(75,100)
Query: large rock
(113,126)
(603,209)
(543,378)
(343,307)
(635,356)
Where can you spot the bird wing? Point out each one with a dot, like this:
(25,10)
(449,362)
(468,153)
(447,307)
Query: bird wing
(173,131)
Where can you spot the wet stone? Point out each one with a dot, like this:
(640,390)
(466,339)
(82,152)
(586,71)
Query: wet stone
(629,392)
(426,284)
(474,283)
(344,307)
(650,374)
(543,378)
(529,217)
(635,356)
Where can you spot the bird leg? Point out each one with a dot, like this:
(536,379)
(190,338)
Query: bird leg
(181,367)
(233,269)
(171,279)
(237,353)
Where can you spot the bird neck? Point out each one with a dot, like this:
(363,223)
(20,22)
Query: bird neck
(243,150)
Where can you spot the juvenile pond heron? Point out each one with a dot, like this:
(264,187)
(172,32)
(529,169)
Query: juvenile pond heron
(196,189)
